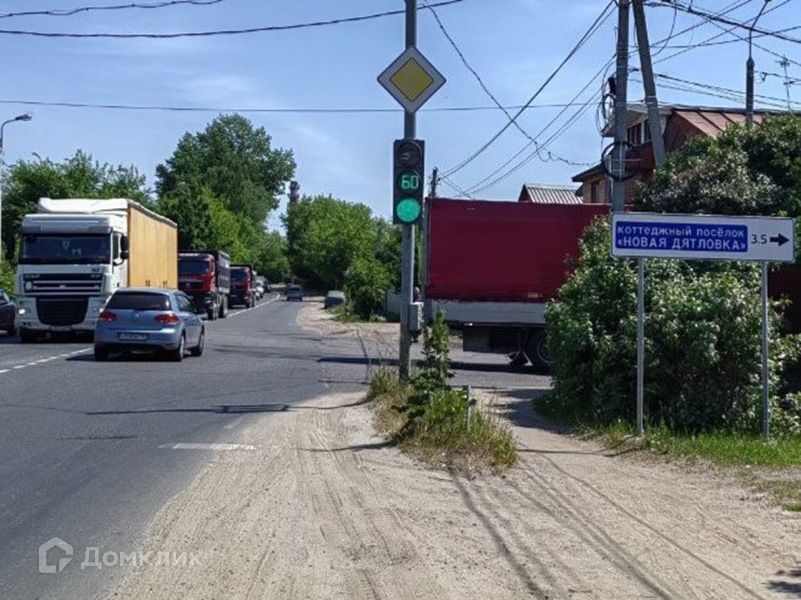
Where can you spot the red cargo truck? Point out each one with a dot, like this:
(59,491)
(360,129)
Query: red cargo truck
(493,266)
(205,276)
(243,285)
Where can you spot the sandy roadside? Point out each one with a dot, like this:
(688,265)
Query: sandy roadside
(321,508)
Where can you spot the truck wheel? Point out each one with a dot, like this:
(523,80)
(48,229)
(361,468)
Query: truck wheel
(177,355)
(11,331)
(537,351)
(224,307)
(26,336)
(212,313)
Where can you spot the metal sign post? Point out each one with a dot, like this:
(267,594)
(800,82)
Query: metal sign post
(702,237)
(411,79)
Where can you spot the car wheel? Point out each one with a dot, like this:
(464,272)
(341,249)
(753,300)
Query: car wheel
(201,343)
(101,354)
(177,355)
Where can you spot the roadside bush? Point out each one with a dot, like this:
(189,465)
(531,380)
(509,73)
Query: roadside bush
(7,277)
(366,282)
(702,343)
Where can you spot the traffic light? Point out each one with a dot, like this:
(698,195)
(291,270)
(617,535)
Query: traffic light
(407,188)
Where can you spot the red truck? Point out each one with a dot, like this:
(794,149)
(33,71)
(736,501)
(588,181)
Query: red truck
(243,282)
(492,267)
(205,276)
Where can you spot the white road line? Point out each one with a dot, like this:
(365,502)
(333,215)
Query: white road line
(244,310)
(4,371)
(213,447)
(234,423)
(20,366)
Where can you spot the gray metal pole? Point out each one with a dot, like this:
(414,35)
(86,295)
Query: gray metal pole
(640,345)
(651,100)
(765,350)
(749,90)
(621,107)
(407,264)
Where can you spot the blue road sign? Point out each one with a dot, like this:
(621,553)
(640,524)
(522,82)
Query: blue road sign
(703,237)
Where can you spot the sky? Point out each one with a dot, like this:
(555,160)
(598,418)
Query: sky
(514,45)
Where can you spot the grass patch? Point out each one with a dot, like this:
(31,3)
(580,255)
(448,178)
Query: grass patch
(767,466)
(344,314)
(437,430)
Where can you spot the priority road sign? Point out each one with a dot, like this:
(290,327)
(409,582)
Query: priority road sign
(703,237)
(411,79)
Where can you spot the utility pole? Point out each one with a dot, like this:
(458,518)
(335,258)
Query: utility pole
(749,71)
(651,100)
(407,246)
(432,193)
(23,117)
(621,107)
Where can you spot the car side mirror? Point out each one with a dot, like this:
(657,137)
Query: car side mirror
(125,249)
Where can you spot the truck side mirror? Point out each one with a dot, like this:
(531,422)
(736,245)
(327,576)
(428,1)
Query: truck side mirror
(125,249)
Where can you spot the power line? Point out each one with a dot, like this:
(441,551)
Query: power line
(593,28)
(480,185)
(721,19)
(277,110)
(218,32)
(487,91)
(68,12)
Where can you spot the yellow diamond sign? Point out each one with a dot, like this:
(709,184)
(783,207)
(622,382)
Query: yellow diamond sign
(411,79)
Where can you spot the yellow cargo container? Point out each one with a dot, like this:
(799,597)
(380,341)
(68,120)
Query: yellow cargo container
(153,247)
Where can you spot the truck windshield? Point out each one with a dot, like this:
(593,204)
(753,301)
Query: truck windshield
(64,249)
(239,274)
(193,267)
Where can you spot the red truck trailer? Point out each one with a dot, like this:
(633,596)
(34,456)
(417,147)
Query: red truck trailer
(205,276)
(491,267)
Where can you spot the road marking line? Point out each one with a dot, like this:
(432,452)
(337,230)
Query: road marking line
(244,310)
(234,423)
(214,447)
(4,371)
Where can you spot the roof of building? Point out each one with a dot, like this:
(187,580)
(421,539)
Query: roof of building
(538,193)
(713,122)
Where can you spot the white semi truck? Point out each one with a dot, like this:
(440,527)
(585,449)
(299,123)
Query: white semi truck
(76,252)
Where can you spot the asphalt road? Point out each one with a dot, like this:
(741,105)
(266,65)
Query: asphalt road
(91,450)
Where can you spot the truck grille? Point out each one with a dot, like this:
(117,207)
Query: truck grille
(61,311)
(48,284)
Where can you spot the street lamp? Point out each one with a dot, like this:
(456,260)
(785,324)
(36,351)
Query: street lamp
(23,117)
(749,71)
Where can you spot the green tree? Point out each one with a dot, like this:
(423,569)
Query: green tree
(325,236)
(366,282)
(273,261)
(235,161)
(79,176)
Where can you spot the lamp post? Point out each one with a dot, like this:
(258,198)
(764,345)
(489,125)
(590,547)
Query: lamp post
(749,71)
(23,117)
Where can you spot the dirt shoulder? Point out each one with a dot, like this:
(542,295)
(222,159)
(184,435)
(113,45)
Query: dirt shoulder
(321,508)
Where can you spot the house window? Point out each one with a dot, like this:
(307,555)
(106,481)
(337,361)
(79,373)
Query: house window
(635,134)
(646,131)
(594,192)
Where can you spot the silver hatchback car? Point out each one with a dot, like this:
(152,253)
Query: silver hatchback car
(149,319)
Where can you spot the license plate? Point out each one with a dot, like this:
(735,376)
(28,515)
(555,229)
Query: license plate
(133,337)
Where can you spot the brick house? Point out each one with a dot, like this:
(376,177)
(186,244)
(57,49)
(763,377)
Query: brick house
(679,124)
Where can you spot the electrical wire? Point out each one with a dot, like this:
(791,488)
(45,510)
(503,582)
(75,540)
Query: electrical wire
(605,13)
(320,110)
(68,12)
(727,21)
(218,32)
(487,91)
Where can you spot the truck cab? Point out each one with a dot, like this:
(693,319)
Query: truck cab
(206,278)
(242,285)
(75,253)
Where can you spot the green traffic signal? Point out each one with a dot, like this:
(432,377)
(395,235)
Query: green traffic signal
(408,210)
